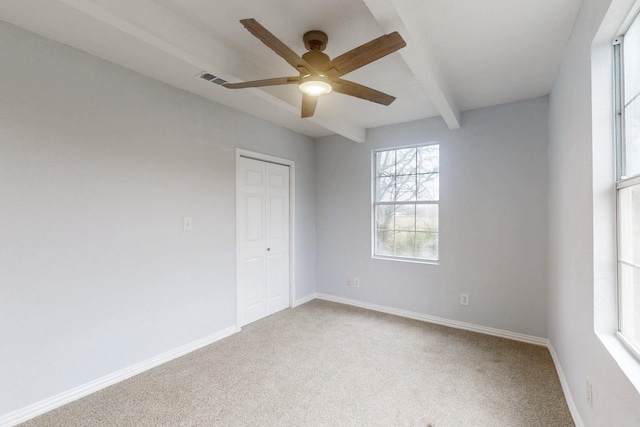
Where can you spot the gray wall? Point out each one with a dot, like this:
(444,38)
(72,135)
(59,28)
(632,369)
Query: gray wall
(493,220)
(97,167)
(581,226)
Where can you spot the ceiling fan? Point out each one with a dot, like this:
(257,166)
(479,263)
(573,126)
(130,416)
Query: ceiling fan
(318,74)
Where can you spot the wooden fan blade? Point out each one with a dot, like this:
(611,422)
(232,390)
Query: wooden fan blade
(363,55)
(363,92)
(266,82)
(308,105)
(278,46)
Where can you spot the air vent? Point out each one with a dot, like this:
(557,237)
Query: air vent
(211,78)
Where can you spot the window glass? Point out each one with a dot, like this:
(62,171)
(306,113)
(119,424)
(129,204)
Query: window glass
(632,61)
(630,305)
(629,262)
(407,192)
(627,93)
(631,101)
(632,138)
(629,224)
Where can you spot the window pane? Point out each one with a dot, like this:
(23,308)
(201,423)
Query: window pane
(629,224)
(406,188)
(406,161)
(405,244)
(406,217)
(406,176)
(427,245)
(632,61)
(429,159)
(428,187)
(427,218)
(385,217)
(632,138)
(385,189)
(629,197)
(385,163)
(630,303)
(385,243)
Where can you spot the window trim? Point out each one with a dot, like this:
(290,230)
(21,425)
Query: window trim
(374,203)
(618,107)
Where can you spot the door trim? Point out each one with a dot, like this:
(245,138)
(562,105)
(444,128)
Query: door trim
(292,220)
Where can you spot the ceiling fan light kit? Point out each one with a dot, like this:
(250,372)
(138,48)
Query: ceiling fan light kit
(319,74)
(315,85)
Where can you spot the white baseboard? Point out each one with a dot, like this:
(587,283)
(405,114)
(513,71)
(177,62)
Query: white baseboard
(304,300)
(46,405)
(565,387)
(438,320)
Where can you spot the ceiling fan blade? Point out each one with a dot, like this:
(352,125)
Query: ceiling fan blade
(363,55)
(308,105)
(266,82)
(363,92)
(278,46)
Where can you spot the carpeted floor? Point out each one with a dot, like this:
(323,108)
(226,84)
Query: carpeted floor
(327,364)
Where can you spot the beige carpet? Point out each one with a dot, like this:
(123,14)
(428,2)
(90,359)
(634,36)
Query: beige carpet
(327,364)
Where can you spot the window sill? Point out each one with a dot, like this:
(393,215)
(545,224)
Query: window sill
(409,260)
(630,348)
(625,359)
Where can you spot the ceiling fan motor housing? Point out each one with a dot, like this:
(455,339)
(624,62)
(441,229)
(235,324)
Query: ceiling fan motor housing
(315,40)
(315,58)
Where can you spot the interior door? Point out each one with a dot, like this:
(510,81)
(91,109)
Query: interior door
(263,239)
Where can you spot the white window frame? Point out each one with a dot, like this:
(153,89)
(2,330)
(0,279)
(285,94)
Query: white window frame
(621,179)
(375,203)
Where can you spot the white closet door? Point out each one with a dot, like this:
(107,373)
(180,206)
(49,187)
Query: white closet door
(263,239)
(277,238)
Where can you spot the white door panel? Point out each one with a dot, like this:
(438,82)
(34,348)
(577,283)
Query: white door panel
(263,239)
(254,283)
(277,224)
(254,303)
(254,221)
(276,217)
(277,295)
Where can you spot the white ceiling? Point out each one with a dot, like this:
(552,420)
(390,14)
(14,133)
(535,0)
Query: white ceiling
(460,54)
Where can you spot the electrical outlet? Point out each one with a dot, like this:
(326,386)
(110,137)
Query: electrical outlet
(464,299)
(589,394)
(349,281)
(356,282)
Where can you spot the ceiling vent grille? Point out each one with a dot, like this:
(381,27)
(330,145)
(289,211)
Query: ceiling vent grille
(211,78)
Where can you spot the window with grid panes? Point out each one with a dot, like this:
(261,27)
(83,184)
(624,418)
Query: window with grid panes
(627,126)
(405,206)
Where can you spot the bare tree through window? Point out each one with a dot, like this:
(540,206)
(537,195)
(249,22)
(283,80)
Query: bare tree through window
(406,202)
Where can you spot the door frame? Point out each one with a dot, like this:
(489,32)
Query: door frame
(240,152)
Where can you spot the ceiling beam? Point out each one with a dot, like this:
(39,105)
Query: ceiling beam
(172,35)
(394,15)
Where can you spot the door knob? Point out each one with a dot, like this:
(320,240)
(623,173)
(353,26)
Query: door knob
(268,249)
